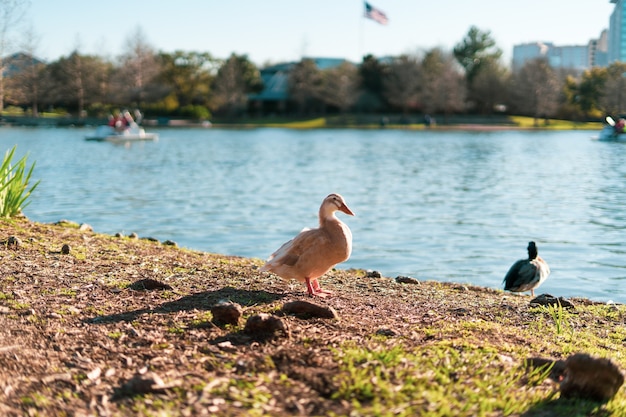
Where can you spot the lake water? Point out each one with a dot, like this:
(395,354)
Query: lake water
(448,206)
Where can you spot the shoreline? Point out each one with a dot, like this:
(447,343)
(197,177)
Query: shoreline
(468,123)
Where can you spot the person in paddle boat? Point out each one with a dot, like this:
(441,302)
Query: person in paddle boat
(620,125)
(119,122)
(128,119)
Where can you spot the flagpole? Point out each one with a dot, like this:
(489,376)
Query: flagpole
(361,19)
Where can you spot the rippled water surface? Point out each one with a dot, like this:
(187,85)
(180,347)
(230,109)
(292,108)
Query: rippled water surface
(449,206)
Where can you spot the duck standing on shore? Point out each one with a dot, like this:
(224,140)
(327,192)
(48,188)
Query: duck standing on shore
(313,252)
(527,274)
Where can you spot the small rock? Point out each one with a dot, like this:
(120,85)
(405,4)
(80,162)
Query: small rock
(27,312)
(146,383)
(226,312)
(151,239)
(118,234)
(406,280)
(373,274)
(94,374)
(13,242)
(461,311)
(596,379)
(264,326)
(386,332)
(133,236)
(84,227)
(170,243)
(66,377)
(307,309)
(149,284)
(65,249)
(547,299)
(227,346)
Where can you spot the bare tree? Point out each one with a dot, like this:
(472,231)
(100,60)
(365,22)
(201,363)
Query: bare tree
(11,13)
(443,88)
(613,99)
(236,78)
(25,83)
(489,87)
(372,72)
(536,89)
(78,81)
(303,82)
(139,66)
(340,86)
(402,82)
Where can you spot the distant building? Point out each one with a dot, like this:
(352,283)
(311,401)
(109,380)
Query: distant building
(574,57)
(274,97)
(529,51)
(599,50)
(617,33)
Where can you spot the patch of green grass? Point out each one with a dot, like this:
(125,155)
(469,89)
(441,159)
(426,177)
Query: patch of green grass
(168,294)
(471,367)
(115,335)
(94,311)
(69,292)
(306,124)
(438,380)
(6,296)
(176,330)
(554,124)
(36,399)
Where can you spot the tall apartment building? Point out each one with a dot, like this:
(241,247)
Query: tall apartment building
(599,50)
(617,33)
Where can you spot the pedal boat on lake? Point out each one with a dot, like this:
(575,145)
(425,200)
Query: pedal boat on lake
(611,133)
(130,134)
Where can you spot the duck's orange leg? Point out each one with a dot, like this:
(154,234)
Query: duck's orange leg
(318,289)
(309,287)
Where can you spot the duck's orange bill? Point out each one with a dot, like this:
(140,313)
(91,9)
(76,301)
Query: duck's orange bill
(346,210)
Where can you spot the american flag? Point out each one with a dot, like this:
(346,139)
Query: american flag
(373,13)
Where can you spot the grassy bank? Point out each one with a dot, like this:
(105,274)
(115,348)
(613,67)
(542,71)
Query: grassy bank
(123,326)
(414,122)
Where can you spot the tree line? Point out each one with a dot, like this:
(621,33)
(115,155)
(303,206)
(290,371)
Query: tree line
(470,79)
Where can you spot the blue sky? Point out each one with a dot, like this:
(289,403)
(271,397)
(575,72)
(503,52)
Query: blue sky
(285,30)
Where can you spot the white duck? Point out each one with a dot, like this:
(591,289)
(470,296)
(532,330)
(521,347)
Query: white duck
(313,252)
(527,274)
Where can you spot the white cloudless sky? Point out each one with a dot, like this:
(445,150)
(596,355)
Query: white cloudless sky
(286,30)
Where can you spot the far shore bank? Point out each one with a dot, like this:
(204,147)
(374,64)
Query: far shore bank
(413,122)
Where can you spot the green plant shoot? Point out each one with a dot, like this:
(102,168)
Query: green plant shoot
(14,183)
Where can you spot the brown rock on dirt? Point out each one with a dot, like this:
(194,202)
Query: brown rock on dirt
(226,312)
(263,325)
(591,378)
(304,309)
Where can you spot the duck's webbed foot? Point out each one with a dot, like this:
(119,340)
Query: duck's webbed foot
(314,289)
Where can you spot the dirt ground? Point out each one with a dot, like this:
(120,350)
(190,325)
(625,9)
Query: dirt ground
(112,325)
